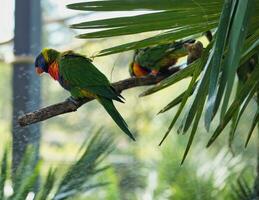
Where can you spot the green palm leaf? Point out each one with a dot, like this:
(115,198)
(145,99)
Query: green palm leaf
(234,44)
(77,178)
(236,39)
(3,175)
(44,192)
(180,18)
(217,60)
(129,5)
(251,86)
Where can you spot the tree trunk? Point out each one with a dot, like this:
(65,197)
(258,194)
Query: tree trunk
(26,86)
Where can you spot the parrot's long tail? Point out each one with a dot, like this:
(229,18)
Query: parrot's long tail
(115,115)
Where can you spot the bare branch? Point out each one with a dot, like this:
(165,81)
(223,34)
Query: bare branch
(69,106)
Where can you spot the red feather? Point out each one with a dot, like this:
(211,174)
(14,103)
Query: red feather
(54,70)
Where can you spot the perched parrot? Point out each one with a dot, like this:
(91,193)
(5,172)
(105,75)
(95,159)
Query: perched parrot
(81,78)
(158,58)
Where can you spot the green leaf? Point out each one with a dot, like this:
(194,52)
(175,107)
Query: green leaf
(242,190)
(166,37)
(24,169)
(198,64)
(27,184)
(238,115)
(236,40)
(251,45)
(194,128)
(184,100)
(219,45)
(249,86)
(3,175)
(128,5)
(47,186)
(176,101)
(77,178)
(182,74)
(200,96)
(144,23)
(168,17)
(199,16)
(255,122)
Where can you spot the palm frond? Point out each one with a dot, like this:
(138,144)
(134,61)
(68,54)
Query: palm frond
(217,60)
(241,190)
(131,5)
(27,184)
(181,19)
(25,175)
(47,187)
(237,35)
(79,176)
(177,100)
(3,175)
(234,44)
(251,86)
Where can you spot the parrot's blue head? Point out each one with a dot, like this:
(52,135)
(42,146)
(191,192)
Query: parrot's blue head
(42,61)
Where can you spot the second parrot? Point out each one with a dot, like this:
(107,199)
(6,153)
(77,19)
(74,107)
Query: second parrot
(157,58)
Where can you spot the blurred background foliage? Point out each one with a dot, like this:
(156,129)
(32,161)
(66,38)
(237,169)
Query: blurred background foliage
(142,169)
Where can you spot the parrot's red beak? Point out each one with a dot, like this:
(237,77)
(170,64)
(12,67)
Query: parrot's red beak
(38,70)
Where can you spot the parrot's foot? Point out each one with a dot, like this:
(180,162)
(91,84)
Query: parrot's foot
(76,102)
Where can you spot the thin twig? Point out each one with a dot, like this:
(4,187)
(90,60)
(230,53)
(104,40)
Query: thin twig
(69,106)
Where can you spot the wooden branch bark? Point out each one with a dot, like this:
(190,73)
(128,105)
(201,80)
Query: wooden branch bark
(69,106)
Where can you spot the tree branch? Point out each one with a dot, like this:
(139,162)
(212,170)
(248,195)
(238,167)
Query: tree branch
(70,106)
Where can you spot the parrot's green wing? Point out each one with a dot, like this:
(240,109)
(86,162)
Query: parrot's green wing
(78,71)
(148,57)
(163,55)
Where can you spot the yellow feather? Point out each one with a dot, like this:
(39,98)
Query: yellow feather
(86,93)
(45,54)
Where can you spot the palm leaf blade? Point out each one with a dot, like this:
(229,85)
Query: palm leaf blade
(129,5)
(255,122)
(78,176)
(3,174)
(237,38)
(216,60)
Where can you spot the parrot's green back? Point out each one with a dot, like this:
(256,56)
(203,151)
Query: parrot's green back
(85,80)
(80,73)
(161,56)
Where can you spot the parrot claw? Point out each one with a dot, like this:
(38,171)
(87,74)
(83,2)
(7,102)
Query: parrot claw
(76,102)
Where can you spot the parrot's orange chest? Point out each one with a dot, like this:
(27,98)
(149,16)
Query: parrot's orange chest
(53,70)
(138,71)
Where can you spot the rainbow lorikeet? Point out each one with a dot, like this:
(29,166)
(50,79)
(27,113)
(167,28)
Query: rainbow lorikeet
(81,78)
(157,58)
